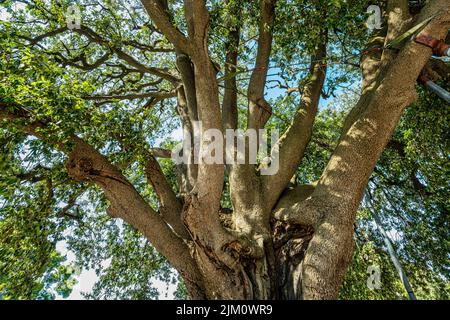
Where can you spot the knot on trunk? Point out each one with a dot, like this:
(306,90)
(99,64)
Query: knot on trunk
(80,168)
(236,249)
(242,247)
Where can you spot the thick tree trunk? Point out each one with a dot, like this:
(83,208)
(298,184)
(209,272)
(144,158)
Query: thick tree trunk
(248,281)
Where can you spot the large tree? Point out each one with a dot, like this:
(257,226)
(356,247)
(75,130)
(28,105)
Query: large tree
(87,114)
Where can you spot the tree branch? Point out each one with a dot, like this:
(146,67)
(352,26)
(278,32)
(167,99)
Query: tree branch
(259,110)
(34,175)
(293,143)
(155,71)
(156,11)
(243,177)
(375,61)
(229,105)
(160,153)
(186,69)
(96,38)
(210,176)
(288,209)
(41,37)
(170,206)
(160,95)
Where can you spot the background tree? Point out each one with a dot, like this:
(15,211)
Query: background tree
(87,116)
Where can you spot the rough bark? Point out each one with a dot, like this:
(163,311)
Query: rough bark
(229,104)
(259,110)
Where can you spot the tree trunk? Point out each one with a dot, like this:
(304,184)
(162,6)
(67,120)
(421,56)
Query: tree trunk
(257,279)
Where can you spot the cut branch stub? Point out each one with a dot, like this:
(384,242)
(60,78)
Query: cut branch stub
(80,168)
